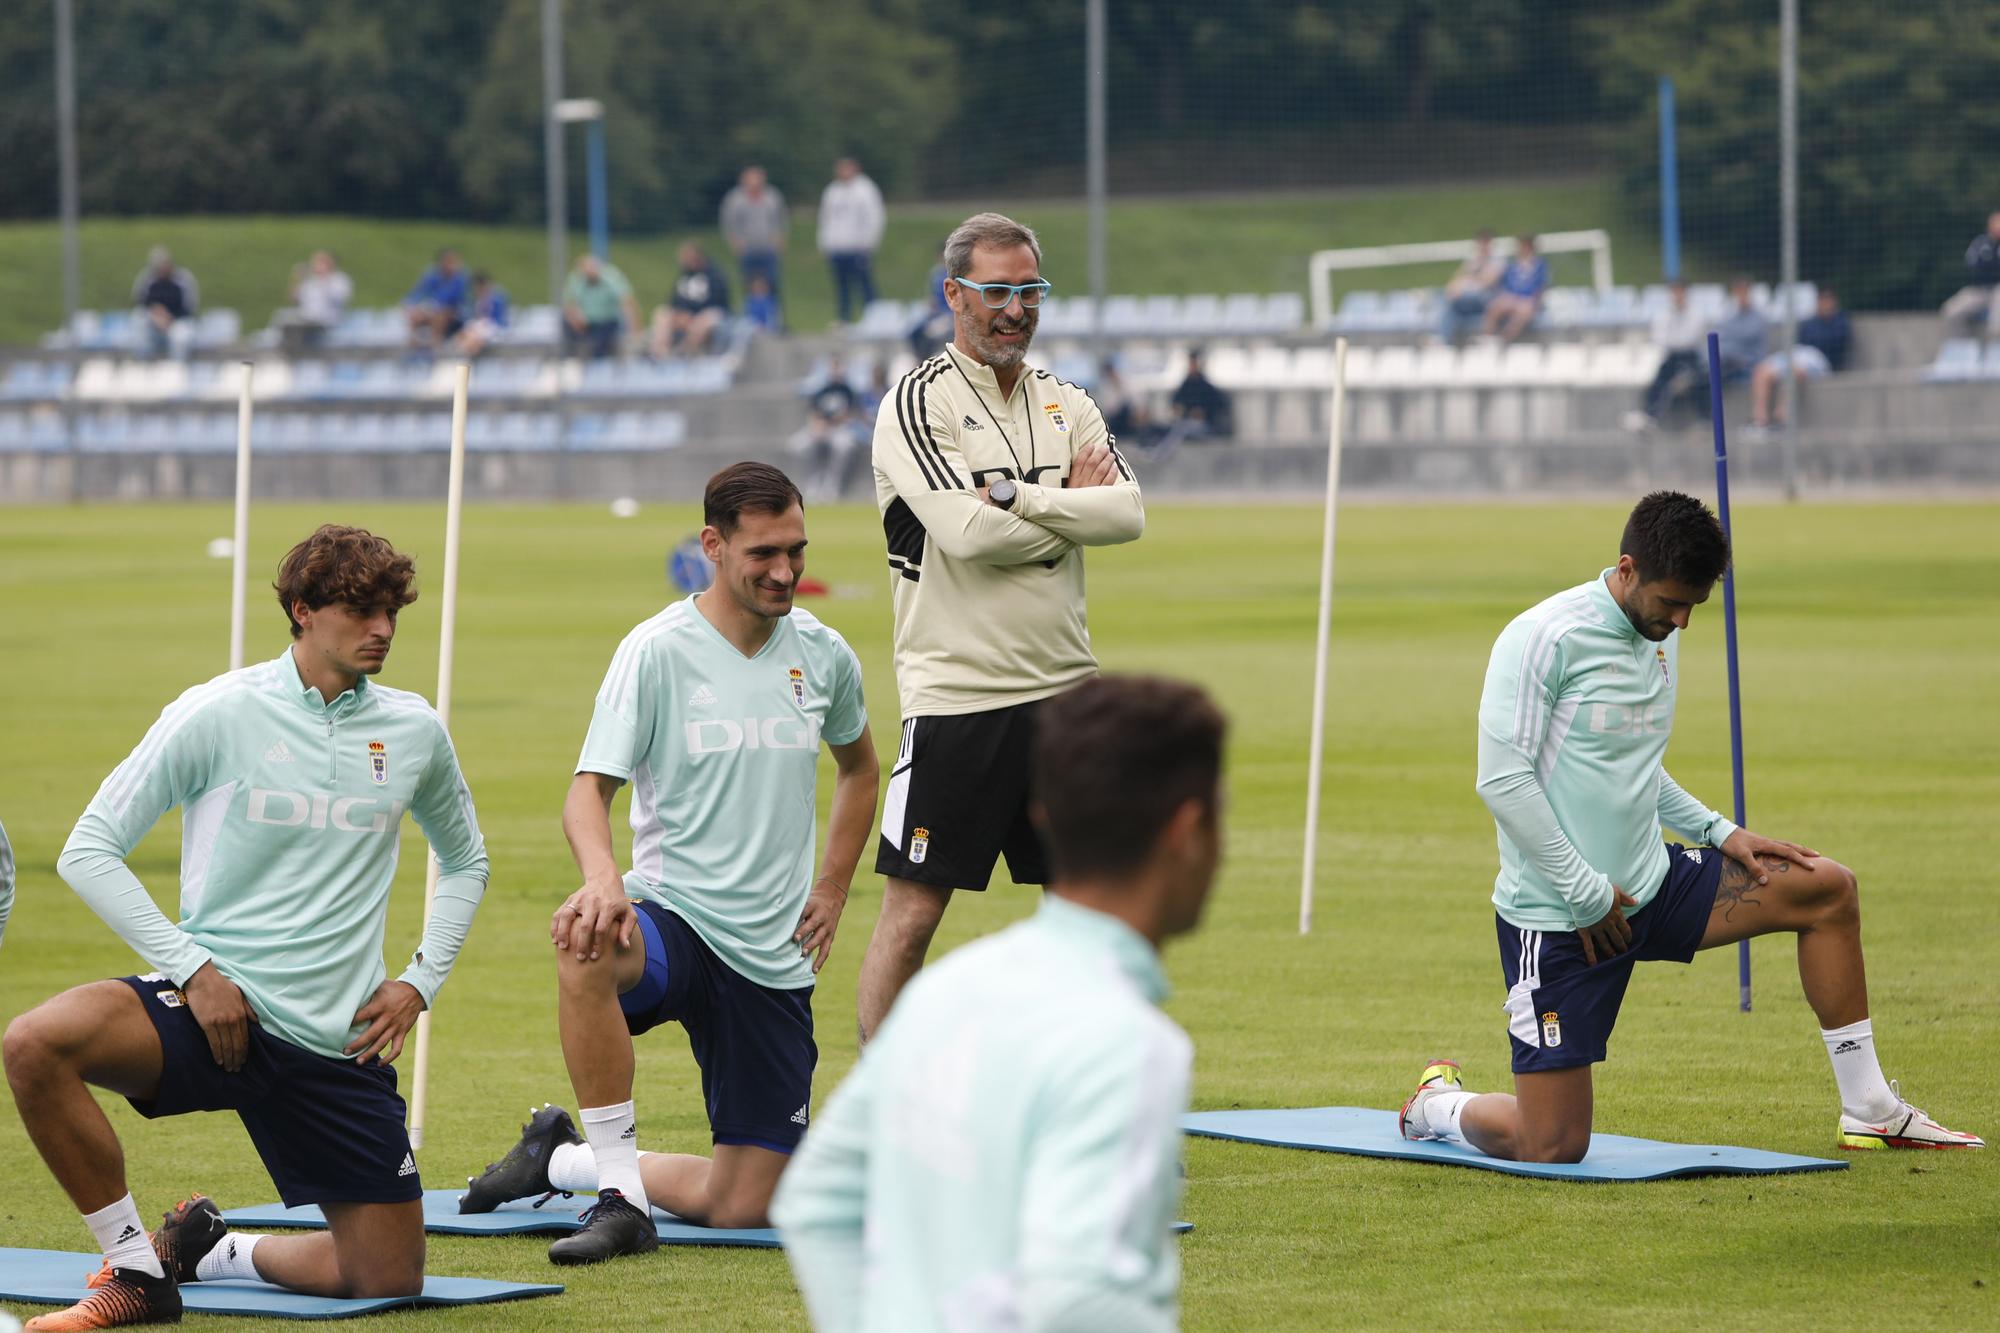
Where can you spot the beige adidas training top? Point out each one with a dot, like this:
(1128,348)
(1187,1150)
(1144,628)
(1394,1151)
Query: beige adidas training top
(989,602)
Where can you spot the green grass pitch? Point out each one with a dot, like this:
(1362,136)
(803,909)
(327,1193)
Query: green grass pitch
(1870,635)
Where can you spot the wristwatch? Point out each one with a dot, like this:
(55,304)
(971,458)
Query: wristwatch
(1002,493)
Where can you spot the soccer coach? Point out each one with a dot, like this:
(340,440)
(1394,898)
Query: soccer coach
(991,476)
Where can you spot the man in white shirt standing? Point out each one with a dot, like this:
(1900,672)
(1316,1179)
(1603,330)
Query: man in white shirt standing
(850,228)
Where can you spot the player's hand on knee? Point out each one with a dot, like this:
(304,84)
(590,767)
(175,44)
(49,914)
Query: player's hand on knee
(1612,935)
(1745,848)
(225,1016)
(388,1017)
(820,920)
(596,916)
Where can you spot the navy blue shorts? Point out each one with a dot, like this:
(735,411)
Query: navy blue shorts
(329,1131)
(754,1044)
(1560,1009)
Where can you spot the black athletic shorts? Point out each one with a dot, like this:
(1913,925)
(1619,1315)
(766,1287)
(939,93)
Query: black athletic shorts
(329,1131)
(958,801)
(1561,1007)
(754,1043)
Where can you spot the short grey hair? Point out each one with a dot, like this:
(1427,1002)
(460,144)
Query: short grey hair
(990,229)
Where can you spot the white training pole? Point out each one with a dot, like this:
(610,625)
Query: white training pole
(454,505)
(1325,625)
(239,573)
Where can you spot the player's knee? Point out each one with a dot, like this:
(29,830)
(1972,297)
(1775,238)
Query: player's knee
(1565,1150)
(578,974)
(736,1214)
(1843,899)
(34,1047)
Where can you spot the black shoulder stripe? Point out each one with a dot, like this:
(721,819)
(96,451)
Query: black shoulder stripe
(905,392)
(930,436)
(1111,443)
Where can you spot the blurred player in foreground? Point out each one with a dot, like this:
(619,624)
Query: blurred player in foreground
(270,998)
(714,711)
(1009,1143)
(1573,726)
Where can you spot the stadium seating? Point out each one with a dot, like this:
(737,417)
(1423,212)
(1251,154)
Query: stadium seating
(1416,311)
(1243,314)
(123,331)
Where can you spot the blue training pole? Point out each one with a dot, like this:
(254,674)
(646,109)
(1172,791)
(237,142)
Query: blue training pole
(1670,190)
(1729,624)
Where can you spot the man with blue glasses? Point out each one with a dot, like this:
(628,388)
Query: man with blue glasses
(992,477)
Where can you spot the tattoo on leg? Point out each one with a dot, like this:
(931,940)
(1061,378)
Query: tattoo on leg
(1736,889)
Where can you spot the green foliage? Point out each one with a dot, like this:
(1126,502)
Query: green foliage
(1868,632)
(1897,122)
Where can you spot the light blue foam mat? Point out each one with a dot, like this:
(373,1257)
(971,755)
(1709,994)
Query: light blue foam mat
(1366,1133)
(58,1277)
(521,1217)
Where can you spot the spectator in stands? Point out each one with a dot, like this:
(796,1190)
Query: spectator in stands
(1742,337)
(1978,302)
(1470,290)
(1678,331)
(686,324)
(753,223)
(834,432)
(167,296)
(850,228)
(320,293)
(1200,411)
(1519,299)
(1125,417)
(597,308)
(1821,350)
(934,328)
(487,319)
(760,307)
(435,307)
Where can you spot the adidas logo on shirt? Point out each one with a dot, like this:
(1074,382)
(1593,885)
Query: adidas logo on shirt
(409,1166)
(970,424)
(703,697)
(279,753)
(799,1116)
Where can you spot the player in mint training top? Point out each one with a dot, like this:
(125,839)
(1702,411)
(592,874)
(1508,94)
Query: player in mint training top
(714,711)
(269,997)
(1573,728)
(1006,1154)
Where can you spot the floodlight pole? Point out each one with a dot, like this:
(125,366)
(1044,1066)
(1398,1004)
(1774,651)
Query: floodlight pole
(1788,241)
(552,146)
(589,112)
(66,183)
(1095,77)
(1670,185)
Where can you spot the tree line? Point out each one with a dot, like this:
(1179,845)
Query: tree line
(431,108)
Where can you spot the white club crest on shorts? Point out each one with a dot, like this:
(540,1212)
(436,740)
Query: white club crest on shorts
(1693,854)
(920,845)
(1552,1030)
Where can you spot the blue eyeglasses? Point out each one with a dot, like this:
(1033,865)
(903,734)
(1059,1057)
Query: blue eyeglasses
(997,295)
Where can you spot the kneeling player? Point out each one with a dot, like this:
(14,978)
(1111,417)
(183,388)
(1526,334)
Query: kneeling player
(1573,728)
(270,997)
(714,710)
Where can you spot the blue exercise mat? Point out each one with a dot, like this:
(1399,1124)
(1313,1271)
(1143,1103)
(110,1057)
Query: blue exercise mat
(57,1277)
(1365,1133)
(520,1217)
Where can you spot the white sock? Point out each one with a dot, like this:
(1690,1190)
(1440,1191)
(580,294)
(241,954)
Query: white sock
(122,1237)
(1864,1093)
(573,1167)
(230,1259)
(613,1132)
(1441,1113)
